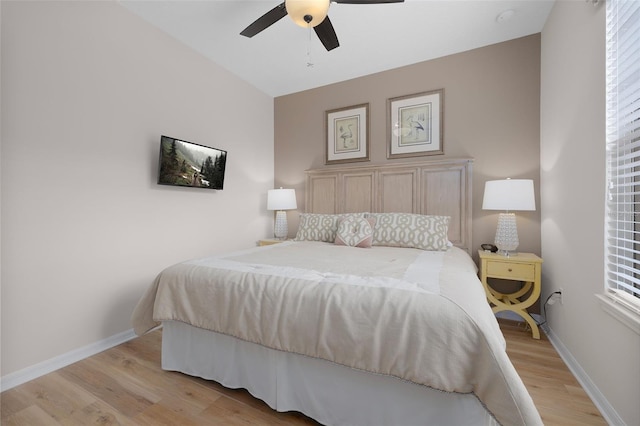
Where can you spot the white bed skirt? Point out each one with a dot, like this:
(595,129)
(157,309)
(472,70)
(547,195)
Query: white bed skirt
(329,393)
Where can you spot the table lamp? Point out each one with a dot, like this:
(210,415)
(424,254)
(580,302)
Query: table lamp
(508,195)
(281,200)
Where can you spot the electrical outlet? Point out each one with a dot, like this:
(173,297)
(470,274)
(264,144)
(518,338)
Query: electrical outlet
(554,297)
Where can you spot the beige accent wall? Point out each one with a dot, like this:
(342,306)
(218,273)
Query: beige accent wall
(573,195)
(491,114)
(87,90)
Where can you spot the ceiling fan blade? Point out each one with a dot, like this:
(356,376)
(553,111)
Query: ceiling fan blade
(367,1)
(327,34)
(265,21)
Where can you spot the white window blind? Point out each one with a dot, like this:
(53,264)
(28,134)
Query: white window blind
(623,154)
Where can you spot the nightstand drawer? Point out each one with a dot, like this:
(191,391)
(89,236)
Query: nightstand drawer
(511,270)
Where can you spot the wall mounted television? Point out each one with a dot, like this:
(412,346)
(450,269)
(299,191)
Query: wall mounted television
(185,163)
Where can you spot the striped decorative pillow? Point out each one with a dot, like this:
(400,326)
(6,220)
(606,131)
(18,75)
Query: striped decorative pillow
(411,230)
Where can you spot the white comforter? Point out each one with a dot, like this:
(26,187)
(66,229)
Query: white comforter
(418,315)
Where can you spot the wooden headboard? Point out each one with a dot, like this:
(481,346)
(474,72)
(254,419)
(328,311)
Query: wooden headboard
(435,187)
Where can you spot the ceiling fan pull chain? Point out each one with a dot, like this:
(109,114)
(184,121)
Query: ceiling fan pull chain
(309,60)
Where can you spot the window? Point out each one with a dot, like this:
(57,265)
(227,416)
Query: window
(622,292)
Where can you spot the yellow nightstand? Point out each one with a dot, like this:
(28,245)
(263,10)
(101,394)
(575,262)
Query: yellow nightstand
(269,241)
(524,267)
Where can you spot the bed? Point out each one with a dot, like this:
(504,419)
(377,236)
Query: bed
(370,317)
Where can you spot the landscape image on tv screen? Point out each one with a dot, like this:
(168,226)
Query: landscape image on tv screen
(185,163)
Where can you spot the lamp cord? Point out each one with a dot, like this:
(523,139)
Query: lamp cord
(544,308)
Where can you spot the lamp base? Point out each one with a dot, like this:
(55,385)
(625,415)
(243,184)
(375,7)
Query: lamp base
(280,227)
(507,234)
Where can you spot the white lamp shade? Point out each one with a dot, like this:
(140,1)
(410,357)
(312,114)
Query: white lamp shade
(509,195)
(315,9)
(281,199)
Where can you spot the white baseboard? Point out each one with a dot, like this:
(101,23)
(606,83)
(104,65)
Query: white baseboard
(608,412)
(22,376)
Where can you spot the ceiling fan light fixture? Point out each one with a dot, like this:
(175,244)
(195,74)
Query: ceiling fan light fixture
(307,13)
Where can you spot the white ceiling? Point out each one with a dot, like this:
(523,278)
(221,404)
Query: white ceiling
(372,38)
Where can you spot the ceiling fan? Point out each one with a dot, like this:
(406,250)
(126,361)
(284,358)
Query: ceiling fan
(306,13)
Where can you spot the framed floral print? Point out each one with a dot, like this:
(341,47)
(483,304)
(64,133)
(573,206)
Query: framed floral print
(415,124)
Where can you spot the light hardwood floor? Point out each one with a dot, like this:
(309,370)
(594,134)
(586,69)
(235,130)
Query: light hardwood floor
(125,385)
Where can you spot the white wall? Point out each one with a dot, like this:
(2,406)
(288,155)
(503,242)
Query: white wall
(87,90)
(573,195)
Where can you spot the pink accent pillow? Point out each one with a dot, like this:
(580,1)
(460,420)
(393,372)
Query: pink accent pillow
(355,232)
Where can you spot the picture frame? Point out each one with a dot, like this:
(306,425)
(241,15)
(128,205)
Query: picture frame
(415,124)
(184,163)
(347,134)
